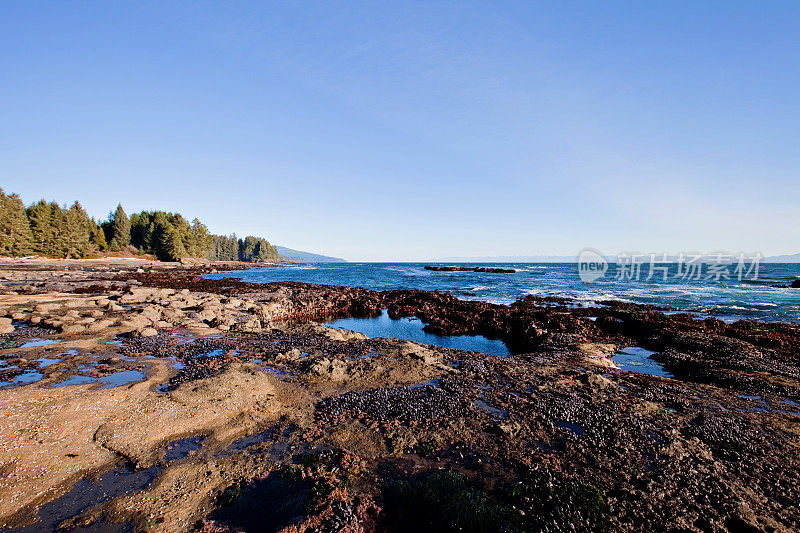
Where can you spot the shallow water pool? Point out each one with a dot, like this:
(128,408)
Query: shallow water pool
(639,360)
(411,329)
(75,380)
(33,343)
(118,379)
(27,377)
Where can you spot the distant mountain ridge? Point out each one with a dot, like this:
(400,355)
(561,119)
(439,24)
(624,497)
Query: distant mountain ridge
(792,258)
(510,259)
(307,257)
(789,258)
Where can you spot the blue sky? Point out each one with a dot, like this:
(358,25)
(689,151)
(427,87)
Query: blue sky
(412,130)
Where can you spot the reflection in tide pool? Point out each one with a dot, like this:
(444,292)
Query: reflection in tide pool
(117,379)
(33,343)
(411,329)
(75,380)
(639,360)
(29,376)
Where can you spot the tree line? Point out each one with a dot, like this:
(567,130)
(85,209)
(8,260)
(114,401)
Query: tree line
(230,248)
(48,229)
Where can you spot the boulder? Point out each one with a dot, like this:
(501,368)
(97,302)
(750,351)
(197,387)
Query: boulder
(148,332)
(47,308)
(233,303)
(6,326)
(252,323)
(207,315)
(135,323)
(292,355)
(73,329)
(100,325)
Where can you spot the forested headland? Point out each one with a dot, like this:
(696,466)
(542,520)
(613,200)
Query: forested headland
(51,230)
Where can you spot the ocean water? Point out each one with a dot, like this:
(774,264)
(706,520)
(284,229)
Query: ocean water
(727,299)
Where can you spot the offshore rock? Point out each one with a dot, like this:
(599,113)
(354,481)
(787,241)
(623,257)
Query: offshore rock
(490,270)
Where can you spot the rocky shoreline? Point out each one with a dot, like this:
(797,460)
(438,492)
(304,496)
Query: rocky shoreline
(218,405)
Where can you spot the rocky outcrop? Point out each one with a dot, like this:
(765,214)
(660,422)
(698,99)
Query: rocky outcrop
(489,270)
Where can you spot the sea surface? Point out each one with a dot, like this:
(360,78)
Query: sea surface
(727,299)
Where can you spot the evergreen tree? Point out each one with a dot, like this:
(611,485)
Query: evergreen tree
(184,231)
(40,216)
(138,228)
(224,248)
(97,236)
(173,249)
(120,230)
(256,249)
(201,240)
(15,230)
(76,231)
(54,231)
(247,248)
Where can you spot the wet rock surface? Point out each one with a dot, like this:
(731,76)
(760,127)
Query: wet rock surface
(337,432)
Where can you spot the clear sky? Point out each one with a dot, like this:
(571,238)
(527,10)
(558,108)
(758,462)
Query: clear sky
(412,130)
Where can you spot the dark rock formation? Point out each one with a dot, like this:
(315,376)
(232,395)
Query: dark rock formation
(470,269)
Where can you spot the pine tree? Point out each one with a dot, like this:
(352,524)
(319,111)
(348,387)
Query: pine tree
(40,215)
(224,248)
(138,227)
(184,231)
(47,226)
(232,248)
(173,249)
(120,230)
(76,231)
(201,240)
(55,231)
(60,243)
(15,230)
(247,248)
(97,235)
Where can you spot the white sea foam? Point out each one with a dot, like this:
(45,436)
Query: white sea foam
(533,268)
